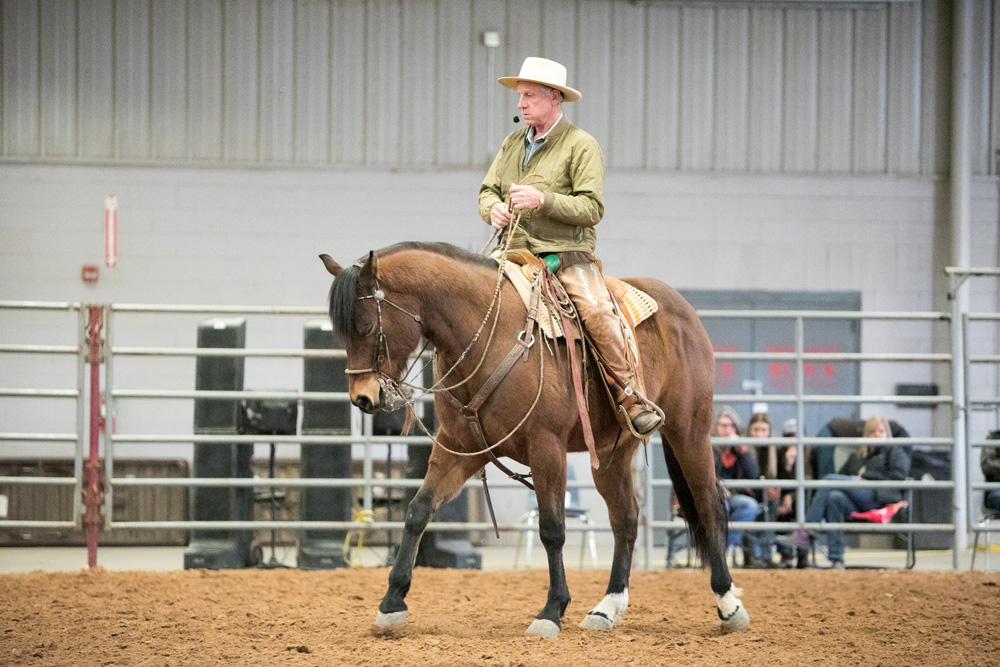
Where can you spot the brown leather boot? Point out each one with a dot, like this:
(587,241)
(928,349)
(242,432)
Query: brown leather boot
(643,421)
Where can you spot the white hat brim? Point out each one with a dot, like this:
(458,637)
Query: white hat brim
(569,94)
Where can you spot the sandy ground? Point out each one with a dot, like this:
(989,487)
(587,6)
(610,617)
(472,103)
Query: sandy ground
(461,617)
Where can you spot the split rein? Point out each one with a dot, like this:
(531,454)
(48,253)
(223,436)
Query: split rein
(395,388)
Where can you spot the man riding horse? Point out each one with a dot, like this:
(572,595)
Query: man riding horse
(557,219)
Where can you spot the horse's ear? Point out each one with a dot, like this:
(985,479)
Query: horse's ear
(370,268)
(331,265)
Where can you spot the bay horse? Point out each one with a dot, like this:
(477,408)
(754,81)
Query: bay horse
(383,305)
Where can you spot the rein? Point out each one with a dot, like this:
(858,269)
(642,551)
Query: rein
(521,348)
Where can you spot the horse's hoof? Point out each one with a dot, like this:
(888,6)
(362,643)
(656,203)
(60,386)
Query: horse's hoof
(390,621)
(604,615)
(541,627)
(595,620)
(738,621)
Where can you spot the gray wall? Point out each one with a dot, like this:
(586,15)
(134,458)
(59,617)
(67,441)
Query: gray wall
(690,86)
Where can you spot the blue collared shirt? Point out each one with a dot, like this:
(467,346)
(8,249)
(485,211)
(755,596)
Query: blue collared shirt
(531,145)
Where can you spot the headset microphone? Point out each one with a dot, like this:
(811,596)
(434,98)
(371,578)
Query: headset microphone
(517,119)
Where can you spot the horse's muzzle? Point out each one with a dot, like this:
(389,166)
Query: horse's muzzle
(365,404)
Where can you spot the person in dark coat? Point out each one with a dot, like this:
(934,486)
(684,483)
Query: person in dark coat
(737,461)
(876,463)
(989,461)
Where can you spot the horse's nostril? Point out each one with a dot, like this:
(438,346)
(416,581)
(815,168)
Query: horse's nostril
(363,403)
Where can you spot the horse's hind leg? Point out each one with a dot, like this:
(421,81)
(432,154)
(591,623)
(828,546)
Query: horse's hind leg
(614,482)
(548,466)
(446,474)
(702,501)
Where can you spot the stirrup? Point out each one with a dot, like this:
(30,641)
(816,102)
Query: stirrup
(651,407)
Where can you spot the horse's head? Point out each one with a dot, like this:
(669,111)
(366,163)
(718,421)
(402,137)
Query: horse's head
(379,327)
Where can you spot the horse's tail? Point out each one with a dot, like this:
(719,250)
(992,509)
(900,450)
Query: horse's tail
(702,533)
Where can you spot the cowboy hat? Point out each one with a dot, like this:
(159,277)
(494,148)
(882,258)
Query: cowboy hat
(546,72)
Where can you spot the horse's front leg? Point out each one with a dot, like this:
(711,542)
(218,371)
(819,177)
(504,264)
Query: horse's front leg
(550,488)
(445,476)
(614,482)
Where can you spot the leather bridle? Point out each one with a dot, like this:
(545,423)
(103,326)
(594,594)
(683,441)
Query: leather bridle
(380,353)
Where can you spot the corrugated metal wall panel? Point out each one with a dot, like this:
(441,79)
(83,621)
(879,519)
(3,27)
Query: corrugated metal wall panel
(169,93)
(903,83)
(869,90)
(313,71)
(417,120)
(277,75)
(995,89)
(698,50)
(627,88)
(836,95)
(979,95)
(731,92)
(240,67)
(384,59)
(95,108)
(454,80)
(767,44)
(20,78)
(487,131)
(384,82)
(935,78)
(801,90)
(349,79)
(132,84)
(662,86)
(593,111)
(559,36)
(58,81)
(204,73)
(903,131)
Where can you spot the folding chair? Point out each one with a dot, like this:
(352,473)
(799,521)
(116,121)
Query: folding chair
(572,511)
(984,525)
(884,514)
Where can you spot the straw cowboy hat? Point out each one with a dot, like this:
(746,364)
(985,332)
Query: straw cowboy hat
(546,72)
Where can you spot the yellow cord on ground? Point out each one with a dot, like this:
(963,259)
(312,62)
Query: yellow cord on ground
(353,556)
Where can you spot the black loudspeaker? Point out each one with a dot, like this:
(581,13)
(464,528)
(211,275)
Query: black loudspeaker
(324,549)
(451,549)
(220,549)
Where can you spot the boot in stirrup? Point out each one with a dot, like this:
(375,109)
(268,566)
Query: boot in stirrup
(644,420)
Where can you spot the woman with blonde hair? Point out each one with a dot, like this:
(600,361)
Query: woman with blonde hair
(880,462)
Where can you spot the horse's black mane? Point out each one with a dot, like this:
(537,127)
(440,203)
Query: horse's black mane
(343,294)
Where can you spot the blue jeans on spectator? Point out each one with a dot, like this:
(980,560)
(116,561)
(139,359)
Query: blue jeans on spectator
(741,508)
(992,500)
(834,506)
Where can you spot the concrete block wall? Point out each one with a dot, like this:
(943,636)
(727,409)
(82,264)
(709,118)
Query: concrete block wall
(202,236)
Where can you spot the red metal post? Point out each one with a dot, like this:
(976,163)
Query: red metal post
(93,487)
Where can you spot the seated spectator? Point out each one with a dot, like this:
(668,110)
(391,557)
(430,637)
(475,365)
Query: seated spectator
(876,463)
(989,461)
(785,509)
(759,426)
(737,462)
(779,503)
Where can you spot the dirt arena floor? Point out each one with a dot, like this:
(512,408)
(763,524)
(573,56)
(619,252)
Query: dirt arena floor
(457,617)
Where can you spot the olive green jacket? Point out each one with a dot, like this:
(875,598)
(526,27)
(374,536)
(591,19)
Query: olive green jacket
(572,166)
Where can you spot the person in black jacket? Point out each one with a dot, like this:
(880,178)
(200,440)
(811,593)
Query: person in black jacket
(737,461)
(989,461)
(832,505)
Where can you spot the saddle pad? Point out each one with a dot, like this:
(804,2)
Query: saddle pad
(638,304)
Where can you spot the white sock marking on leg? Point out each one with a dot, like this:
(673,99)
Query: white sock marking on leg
(613,605)
(729,603)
